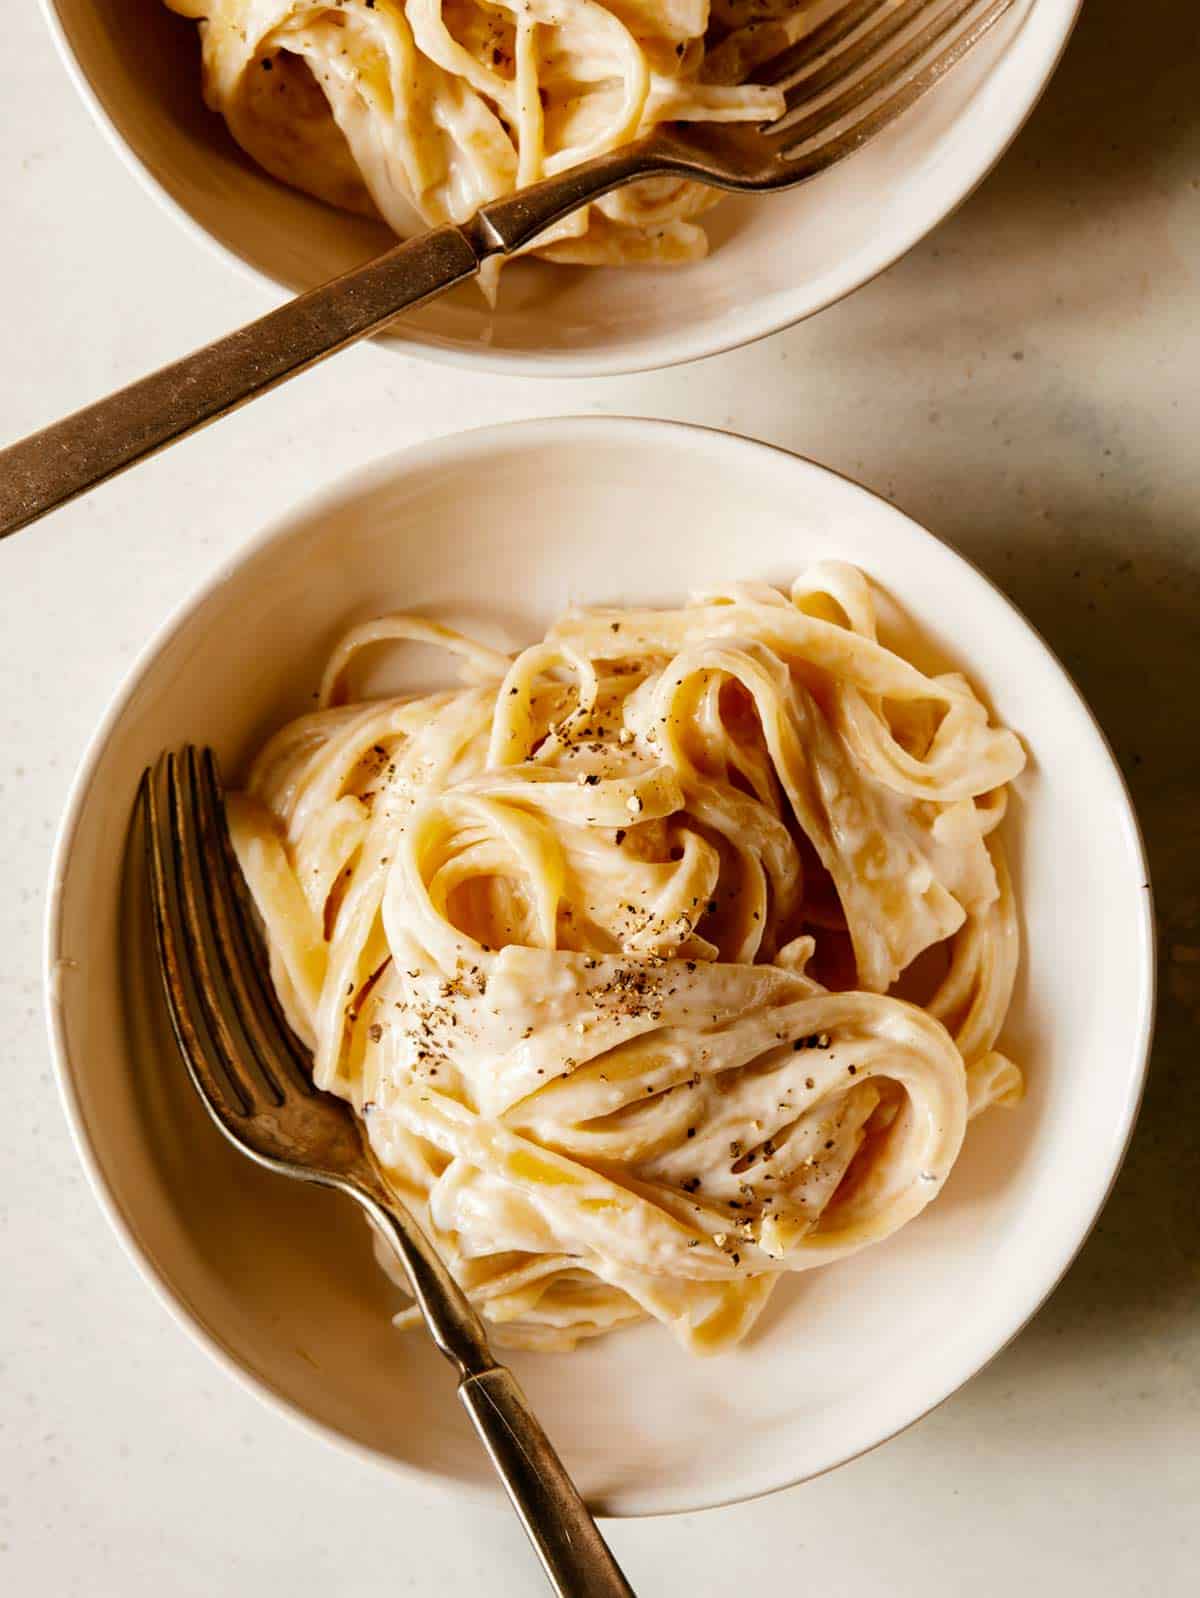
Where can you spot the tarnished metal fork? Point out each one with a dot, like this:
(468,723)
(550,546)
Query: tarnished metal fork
(845,81)
(253,1076)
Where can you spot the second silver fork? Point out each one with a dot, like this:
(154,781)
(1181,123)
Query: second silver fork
(252,1074)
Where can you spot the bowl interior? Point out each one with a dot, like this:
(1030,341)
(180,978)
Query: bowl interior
(500,530)
(773,260)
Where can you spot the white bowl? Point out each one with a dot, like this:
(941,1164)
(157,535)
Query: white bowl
(500,529)
(774,260)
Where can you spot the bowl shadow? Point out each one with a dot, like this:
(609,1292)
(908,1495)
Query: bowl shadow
(1125,626)
(1053,219)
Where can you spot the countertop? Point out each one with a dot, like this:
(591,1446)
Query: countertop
(1027,383)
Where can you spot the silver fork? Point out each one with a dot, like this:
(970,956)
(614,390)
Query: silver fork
(253,1076)
(845,82)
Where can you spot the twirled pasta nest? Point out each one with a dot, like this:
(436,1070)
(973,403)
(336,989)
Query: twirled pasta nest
(604,945)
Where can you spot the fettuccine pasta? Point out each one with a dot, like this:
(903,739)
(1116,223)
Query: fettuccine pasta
(603,945)
(420,111)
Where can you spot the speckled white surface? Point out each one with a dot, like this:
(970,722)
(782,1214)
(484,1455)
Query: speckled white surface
(1028,384)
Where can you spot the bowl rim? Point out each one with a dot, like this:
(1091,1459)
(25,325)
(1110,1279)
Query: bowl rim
(281,527)
(756,320)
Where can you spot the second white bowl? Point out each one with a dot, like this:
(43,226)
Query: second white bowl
(500,530)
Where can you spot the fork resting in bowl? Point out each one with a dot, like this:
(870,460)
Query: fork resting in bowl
(843,83)
(253,1076)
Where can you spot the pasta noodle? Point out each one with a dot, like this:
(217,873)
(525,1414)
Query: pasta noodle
(421,111)
(603,945)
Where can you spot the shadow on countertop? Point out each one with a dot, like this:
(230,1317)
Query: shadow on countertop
(1126,622)
(1096,179)
(1100,190)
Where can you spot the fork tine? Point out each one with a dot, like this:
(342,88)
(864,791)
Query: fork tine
(239,945)
(765,49)
(810,48)
(840,66)
(909,72)
(884,70)
(217,980)
(224,1094)
(196,905)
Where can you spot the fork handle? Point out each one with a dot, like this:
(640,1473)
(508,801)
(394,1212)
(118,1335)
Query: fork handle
(558,1523)
(68,458)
